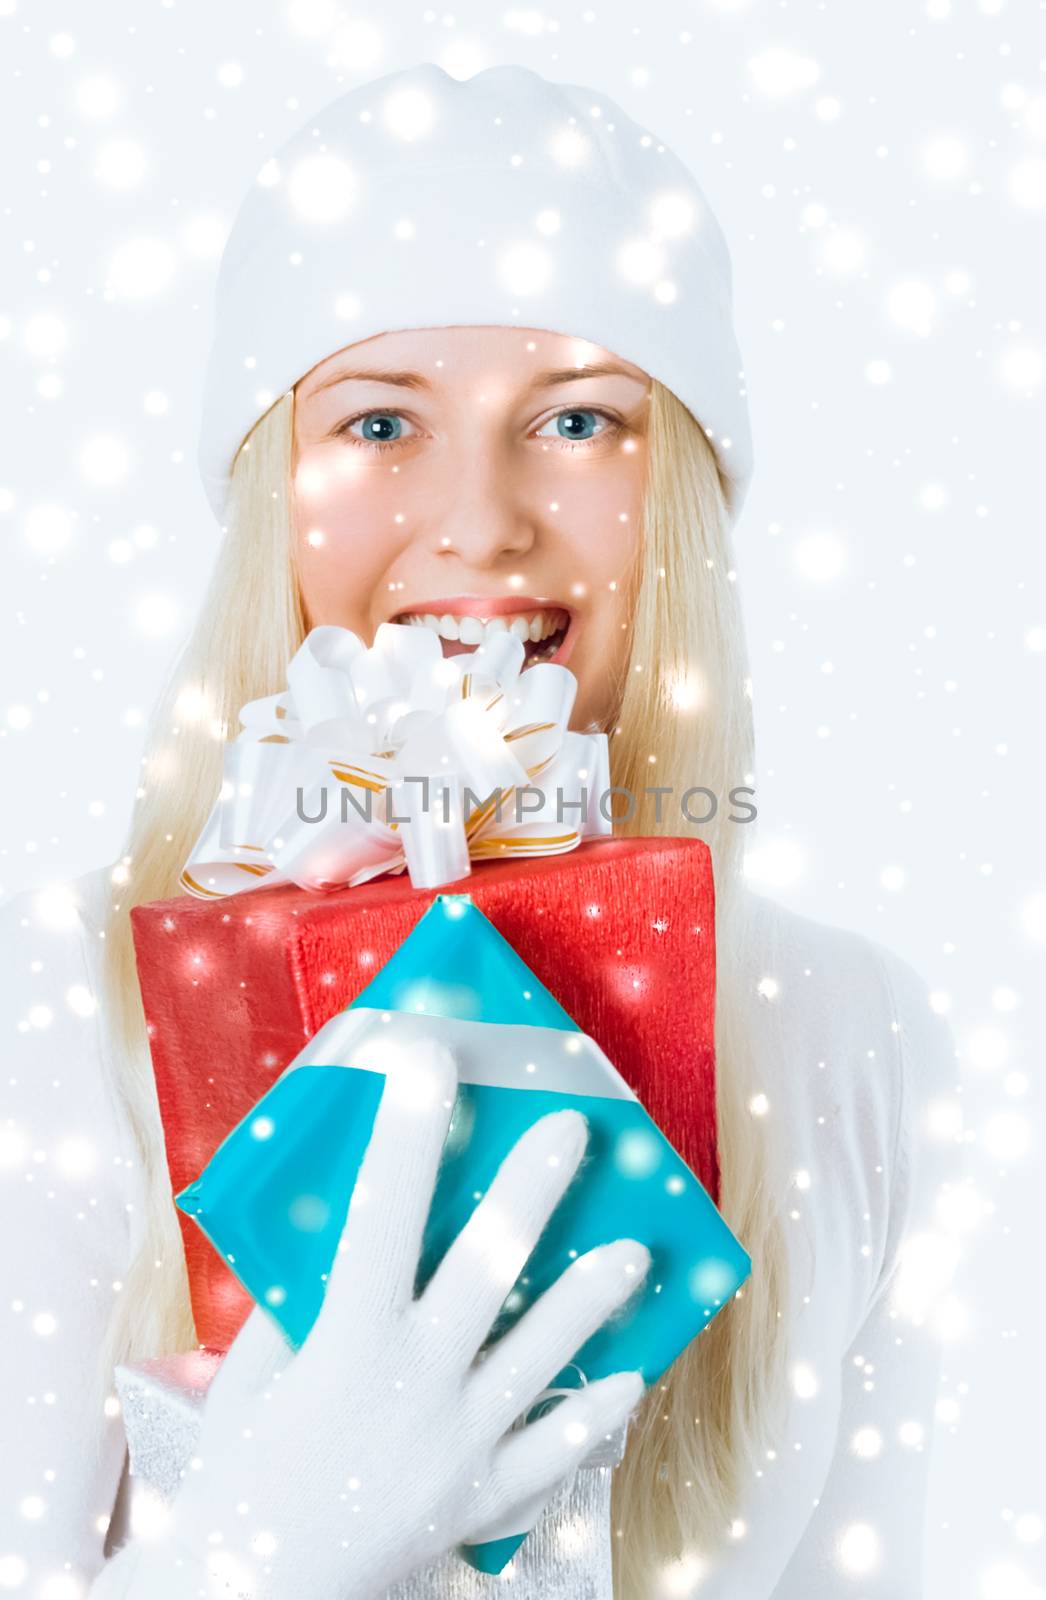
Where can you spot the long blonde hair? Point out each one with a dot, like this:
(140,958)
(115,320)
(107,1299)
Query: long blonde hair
(684,699)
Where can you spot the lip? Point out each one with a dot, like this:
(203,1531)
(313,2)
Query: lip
(480,605)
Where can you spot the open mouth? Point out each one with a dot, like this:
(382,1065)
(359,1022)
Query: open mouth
(544,633)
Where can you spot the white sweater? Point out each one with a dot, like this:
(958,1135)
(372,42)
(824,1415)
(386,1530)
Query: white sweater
(849,1054)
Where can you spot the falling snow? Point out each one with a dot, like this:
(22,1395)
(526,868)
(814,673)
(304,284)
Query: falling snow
(885,207)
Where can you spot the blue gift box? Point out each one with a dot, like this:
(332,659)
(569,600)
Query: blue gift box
(274,1197)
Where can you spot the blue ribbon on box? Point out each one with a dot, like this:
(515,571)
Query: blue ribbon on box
(274,1197)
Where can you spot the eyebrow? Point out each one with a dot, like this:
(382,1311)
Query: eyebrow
(415,380)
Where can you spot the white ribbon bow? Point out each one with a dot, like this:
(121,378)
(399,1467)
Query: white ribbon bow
(403,733)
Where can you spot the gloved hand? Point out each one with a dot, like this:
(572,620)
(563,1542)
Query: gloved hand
(388,1438)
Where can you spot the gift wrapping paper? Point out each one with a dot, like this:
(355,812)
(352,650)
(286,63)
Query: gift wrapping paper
(274,1197)
(621,931)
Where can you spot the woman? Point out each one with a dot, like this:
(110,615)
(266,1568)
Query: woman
(519,396)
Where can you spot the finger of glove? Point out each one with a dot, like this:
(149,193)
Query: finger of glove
(472,1281)
(531,1462)
(377,1257)
(520,1517)
(514,1371)
(257,1353)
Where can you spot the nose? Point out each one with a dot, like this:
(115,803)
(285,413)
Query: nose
(480,514)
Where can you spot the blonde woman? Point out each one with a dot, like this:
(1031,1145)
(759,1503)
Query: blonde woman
(474,367)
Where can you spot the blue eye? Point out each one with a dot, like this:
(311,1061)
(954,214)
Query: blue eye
(381,430)
(380,427)
(576,424)
(580,425)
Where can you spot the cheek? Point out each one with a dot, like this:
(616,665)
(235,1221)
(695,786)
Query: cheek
(347,534)
(599,508)
(602,511)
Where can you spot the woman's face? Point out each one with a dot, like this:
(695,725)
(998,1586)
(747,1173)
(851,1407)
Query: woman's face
(471,478)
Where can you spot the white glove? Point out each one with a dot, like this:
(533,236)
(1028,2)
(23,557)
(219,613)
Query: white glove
(330,1474)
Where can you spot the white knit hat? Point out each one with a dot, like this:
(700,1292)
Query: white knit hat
(423,201)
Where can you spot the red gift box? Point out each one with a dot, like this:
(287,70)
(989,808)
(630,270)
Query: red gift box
(620,931)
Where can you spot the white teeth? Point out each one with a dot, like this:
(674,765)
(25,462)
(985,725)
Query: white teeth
(530,628)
